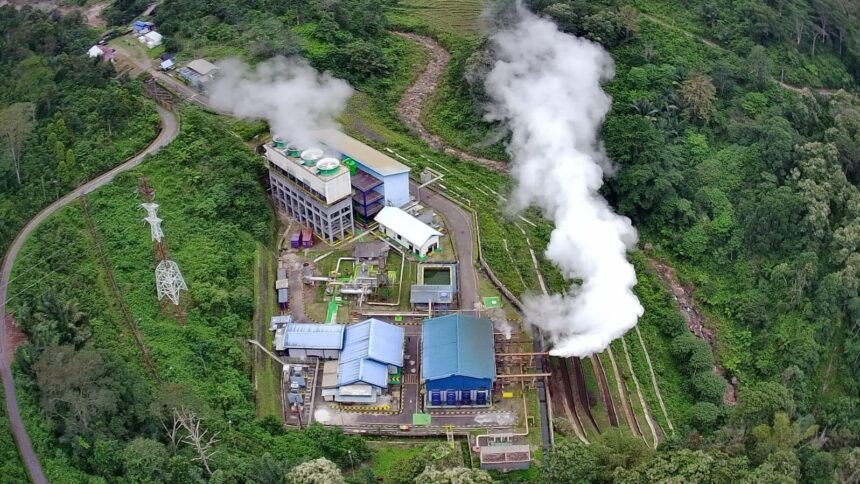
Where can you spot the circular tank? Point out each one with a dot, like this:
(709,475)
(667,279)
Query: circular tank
(294,151)
(328,166)
(311,156)
(279,142)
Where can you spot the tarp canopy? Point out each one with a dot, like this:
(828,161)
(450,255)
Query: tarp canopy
(457,345)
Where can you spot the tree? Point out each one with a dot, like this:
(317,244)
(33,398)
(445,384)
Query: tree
(271,471)
(698,94)
(571,461)
(704,416)
(16,123)
(759,402)
(616,448)
(758,67)
(454,475)
(145,461)
(317,471)
(630,21)
(55,321)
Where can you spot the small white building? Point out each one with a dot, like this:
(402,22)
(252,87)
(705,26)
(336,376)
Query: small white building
(151,39)
(408,231)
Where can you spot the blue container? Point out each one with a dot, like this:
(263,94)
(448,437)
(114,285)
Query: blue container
(451,398)
(436,398)
(481,398)
(467,397)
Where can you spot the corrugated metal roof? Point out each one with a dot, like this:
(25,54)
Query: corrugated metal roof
(313,336)
(368,348)
(424,294)
(202,66)
(410,228)
(457,345)
(360,152)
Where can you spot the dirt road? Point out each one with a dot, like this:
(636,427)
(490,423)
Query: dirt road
(169,131)
(415,97)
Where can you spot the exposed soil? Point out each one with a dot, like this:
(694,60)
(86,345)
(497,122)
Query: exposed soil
(14,338)
(696,322)
(416,96)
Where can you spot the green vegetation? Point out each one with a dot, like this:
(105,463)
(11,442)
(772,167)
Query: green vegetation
(214,212)
(63,116)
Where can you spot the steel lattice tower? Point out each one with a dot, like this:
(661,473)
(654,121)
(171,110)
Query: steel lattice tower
(169,281)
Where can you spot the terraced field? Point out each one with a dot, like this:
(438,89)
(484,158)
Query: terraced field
(454,16)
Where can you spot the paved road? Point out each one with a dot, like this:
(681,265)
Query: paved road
(169,131)
(461,229)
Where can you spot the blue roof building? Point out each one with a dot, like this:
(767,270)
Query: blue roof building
(458,361)
(314,339)
(371,350)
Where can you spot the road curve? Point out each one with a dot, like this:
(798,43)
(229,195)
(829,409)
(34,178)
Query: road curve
(416,95)
(169,131)
(461,229)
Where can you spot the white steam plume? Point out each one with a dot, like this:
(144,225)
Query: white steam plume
(546,86)
(289,94)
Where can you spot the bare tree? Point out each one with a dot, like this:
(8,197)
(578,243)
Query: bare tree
(16,124)
(195,436)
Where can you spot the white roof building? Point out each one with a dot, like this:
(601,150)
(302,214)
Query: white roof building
(408,231)
(151,39)
(94,51)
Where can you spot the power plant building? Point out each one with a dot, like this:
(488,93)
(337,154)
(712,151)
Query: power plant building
(334,184)
(458,363)
(408,231)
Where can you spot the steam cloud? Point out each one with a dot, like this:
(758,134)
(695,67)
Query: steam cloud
(546,86)
(289,94)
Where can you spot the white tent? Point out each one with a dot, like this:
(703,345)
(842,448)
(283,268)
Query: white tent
(408,230)
(94,51)
(151,39)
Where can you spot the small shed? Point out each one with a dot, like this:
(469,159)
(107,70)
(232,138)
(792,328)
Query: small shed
(370,251)
(439,297)
(408,231)
(505,458)
(167,65)
(279,322)
(142,26)
(312,339)
(283,298)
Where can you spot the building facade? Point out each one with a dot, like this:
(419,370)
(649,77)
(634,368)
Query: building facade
(320,201)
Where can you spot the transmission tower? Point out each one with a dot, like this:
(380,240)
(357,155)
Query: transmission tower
(169,281)
(153,220)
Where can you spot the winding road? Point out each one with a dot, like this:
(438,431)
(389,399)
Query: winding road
(169,131)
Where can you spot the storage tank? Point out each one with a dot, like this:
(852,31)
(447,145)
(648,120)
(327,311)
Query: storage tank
(294,151)
(350,163)
(328,166)
(310,156)
(279,142)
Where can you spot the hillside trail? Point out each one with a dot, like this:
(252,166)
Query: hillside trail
(169,131)
(696,322)
(822,91)
(414,99)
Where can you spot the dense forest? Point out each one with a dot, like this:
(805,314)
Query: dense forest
(738,161)
(63,116)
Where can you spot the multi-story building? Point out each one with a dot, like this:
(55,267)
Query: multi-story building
(313,188)
(331,186)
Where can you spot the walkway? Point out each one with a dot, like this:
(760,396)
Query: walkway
(169,131)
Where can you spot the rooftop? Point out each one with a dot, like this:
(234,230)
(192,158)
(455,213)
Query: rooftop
(410,228)
(290,163)
(360,152)
(369,347)
(314,336)
(202,66)
(457,345)
(425,294)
